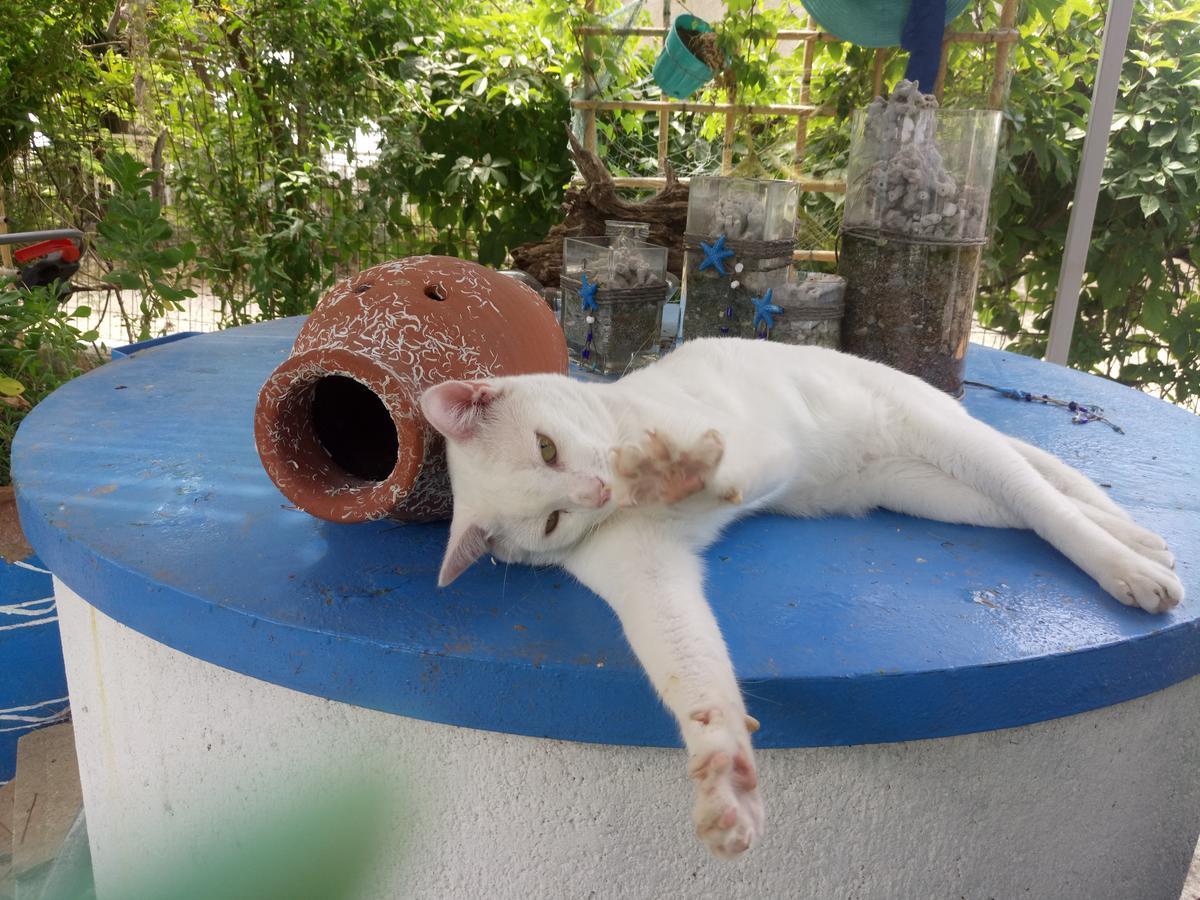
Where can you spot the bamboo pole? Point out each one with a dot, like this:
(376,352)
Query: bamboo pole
(765,109)
(998,36)
(589,80)
(727,137)
(810,49)
(664,115)
(1008,15)
(829,256)
(877,73)
(939,83)
(6,259)
(816,185)
(664,126)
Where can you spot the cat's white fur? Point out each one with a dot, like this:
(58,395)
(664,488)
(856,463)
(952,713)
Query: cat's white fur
(806,432)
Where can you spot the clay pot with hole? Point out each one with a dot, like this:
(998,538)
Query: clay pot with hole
(338,426)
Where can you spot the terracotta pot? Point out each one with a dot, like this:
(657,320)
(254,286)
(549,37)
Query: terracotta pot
(338,426)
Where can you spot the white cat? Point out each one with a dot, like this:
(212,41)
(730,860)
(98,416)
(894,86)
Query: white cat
(623,484)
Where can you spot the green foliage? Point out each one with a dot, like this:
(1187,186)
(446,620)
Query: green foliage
(1139,317)
(256,101)
(39,56)
(485,160)
(136,239)
(40,349)
(748,35)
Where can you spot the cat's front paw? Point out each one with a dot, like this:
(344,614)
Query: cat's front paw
(729,811)
(658,471)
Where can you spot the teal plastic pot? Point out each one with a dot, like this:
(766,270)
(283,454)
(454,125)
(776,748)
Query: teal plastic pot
(678,72)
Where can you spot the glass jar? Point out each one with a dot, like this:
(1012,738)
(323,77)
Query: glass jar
(740,237)
(909,305)
(913,228)
(637,232)
(613,290)
(919,172)
(811,305)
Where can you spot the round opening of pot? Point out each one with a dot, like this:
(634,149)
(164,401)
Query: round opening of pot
(354,427)
(435,292)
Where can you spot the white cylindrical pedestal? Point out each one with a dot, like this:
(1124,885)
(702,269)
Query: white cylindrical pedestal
(174,752)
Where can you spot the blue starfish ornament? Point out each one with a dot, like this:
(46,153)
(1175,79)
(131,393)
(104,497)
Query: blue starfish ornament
(587,292)
(765,310)
(715,255)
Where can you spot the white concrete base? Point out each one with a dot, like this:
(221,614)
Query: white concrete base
(174,752)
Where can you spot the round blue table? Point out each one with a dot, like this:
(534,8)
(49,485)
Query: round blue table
(140,488)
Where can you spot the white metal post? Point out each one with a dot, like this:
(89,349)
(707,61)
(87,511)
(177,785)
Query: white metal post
(1087,184)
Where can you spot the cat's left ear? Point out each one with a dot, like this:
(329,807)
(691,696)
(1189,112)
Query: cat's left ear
(467,543)
(455,408)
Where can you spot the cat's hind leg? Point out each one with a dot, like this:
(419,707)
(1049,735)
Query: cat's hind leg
(1132,535)
(1096,504)
(977,455)
(1067,480)
(918,488)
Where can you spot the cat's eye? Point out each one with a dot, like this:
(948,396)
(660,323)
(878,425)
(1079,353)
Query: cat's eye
(548,450)
(552,522)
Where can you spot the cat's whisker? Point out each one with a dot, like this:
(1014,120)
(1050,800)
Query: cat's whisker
(759,696)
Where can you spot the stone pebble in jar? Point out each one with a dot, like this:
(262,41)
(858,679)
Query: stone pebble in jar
(741,218)
(908,190)
(797,324)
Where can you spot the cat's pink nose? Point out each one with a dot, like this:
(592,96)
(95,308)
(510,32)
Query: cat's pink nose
(601,493)
(592,492)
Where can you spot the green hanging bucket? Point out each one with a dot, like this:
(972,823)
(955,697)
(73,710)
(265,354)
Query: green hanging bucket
(678,71)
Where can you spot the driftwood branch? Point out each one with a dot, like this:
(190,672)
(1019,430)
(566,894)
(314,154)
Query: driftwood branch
(114,21)
(588,206)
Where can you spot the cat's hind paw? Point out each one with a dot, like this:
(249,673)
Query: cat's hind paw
(658,471)
(1138,581)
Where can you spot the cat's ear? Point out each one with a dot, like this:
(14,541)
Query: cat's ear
(467,543)
(455,407)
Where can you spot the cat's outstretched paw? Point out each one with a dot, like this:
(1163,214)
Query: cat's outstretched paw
(658,471)
(1137,581)
(729,811)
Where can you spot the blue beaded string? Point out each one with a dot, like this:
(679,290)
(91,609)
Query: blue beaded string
(587,294)
(1081,413)
(715,255)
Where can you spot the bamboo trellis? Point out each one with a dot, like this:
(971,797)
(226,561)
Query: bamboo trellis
(1002,37)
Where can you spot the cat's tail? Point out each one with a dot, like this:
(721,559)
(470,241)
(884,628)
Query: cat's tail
(978,455)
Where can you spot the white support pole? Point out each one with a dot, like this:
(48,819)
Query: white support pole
(1087,184)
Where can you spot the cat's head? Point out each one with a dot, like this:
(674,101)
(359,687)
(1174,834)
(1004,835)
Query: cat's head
(529,465)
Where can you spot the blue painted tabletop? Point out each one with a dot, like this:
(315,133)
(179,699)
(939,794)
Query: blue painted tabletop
(140,487)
